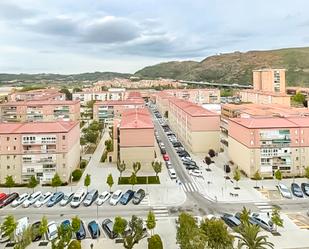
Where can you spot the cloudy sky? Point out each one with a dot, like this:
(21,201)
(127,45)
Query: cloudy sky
(72,36)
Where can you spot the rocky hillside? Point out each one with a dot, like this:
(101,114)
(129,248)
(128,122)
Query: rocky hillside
(236,67)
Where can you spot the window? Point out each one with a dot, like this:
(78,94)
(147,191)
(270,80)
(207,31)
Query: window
(8,167)
(63,137)
(15,138)
(7,157)
(7,138)
(14,147)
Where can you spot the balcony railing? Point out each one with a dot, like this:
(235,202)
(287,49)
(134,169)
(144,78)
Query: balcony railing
(39,151)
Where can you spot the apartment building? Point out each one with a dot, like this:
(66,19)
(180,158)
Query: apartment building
(106,111)
(268,88)
(41,94)
(40,149)
(268,144)
(40,110)
(197,128)
(134,137)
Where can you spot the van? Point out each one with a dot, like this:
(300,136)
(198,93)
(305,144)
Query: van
(78,197)
(172,174)
(91,197)
(22,224)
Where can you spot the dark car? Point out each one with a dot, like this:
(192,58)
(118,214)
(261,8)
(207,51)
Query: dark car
(35,231)
(192,167)
(66,224)
(188,162)
(94,229)
(139,195)
(176,144)
(163,151)
(81,233)
(56,197)
(296,190)
(9,199)
(183,153)
(305,188)
(126,197)
(230,220)
(107,226)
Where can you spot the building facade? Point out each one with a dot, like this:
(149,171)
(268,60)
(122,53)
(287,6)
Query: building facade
(269,144)
(37,111)
(41,94)
(39,149)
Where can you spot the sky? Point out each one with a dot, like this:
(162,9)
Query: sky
(75,36)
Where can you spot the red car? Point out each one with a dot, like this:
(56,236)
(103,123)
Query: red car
(2,196)
(165,157)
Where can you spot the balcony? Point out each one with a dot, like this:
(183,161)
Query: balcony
(42,151)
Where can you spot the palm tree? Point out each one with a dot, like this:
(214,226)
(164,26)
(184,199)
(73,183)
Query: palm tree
(249,237)
(9,226)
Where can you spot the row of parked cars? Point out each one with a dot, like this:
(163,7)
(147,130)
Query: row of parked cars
(296,190)
(260,219)
(81,196)
(52,231)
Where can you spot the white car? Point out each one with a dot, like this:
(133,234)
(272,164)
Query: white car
(284,191)
(66,199)
(52,232)
(20,200)
(32,199)
(115,197)
(186,158)
(22,225)
(196,172)
(78,197)
(43,199)
(103,197)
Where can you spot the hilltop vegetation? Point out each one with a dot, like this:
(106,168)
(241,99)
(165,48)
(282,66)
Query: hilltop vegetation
(236,67)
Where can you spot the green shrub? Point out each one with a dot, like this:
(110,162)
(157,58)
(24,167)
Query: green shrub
(76,175)
(83,164)
(104,156)
(125,180)
(153,180)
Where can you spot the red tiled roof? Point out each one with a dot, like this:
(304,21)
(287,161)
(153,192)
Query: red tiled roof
(136,118)
(40,102)
(37,127)
(263,123)
(120,102)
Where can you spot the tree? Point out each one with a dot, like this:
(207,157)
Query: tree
(189,236)
(68,94)
(76,175)
(151,221)
(110,181)
(120,225)
(74,244)
(8,227)
(135,226)
(64,234)
(155,242)
(33,182)
(133,179)
(217,235)
(24,239)
(9,182)
(121,167)
(56,181)
(237,177)
(136,167)
(245,216)
(276,218)
(208,161)
(299,98)
(257,177)
(307,172)
(278,175)
(75,224)
(43,227)
(249,237)
(157,167)
(211,153)
(91,136)
(77,89)
(87,181)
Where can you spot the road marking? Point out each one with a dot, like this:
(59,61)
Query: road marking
(264,207)
(160,211)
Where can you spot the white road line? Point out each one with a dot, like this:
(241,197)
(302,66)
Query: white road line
(184,187)
(194,186)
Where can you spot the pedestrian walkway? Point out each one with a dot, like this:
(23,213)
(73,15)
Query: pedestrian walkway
(160,211)
(264,207)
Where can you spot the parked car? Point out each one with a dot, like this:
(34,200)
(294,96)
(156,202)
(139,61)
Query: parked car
(107,226)
(94,229)
(230,220)
(139,195)
(172,174)
(81,233)
(9,199)
(305,188)
(78,197)
(66,224)
(163,151)
(168,164)
(91,197)
(296,190)
(189,163)
(176,144)
(263,222)
(284,191)
(126,197)
(3,196)
(251,220)
(103,197)
(22,225)
(165,157)
(43,199)
(52,231)
(115,197)
(67,198)
(192,167)
(56,197)
(20,200)
(196,172)
(35,231)
(32,199)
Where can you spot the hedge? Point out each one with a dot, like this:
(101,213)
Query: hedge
(76,175)
(125,180)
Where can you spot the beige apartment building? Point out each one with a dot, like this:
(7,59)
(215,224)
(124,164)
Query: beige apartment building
(39,149)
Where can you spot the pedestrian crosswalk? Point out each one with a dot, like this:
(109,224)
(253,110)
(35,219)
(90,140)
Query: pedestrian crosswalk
(264,207)
(192,186)
(160,211)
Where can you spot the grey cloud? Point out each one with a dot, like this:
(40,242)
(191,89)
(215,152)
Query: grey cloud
(13,12)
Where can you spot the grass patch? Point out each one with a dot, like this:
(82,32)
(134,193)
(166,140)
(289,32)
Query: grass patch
(125,180)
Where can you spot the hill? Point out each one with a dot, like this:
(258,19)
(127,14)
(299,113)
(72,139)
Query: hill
(236,67)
